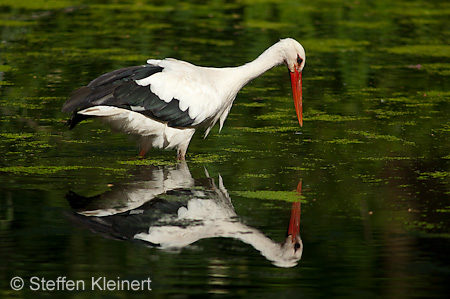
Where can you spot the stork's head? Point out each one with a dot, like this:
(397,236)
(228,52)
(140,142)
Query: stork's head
(295,59)
(294,55)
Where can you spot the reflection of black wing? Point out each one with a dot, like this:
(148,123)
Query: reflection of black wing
(124,226)
(148,182)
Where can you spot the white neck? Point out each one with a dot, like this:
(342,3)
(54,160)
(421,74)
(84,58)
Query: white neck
(270,58)
(228,81)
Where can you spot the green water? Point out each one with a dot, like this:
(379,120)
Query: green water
(373,154)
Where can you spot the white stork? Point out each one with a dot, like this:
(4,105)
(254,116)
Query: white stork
(165,101)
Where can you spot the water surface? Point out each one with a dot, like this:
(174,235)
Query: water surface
(373,154)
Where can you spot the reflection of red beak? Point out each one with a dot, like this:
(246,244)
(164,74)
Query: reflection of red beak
(296,82)
(294,223)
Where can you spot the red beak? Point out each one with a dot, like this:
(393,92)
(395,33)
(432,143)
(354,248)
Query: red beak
(294,223)
(296,82)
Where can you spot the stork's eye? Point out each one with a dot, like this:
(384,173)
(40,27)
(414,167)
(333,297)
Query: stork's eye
(299,60)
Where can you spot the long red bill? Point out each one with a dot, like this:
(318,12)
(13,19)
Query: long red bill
(296,82)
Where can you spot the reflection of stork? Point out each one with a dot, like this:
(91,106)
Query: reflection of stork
(170,210)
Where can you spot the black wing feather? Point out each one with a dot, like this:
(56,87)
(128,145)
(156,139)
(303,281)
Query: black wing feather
(170,110)
(117,75)
(119,89)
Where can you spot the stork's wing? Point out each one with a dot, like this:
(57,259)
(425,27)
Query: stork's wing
(119,89)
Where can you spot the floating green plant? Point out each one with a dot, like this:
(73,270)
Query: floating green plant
(388,158)
(331,45)
(405,9)
(39,170)
(299,168)
(201,158)
(401,99)
(316,116)
(15,136)
(421,50)
(74,141)
(370,135)
(290,196)
(343,141)
(384,113)
(28,142)
(33,103)
(426,226)
(148,162)
(434,175)
(132,7)
(435,95)
(206,158)
(237,150)
(128,57)
(155,26)
(403,123)
(442,69)
(253,104)
(274,115)
(15,23)
(215,42)
(366,178)
(266,24)
(5,68)
(258,175)
(364,25)
(38,4)
(444,128)
(46,170)
(79,53)
(268,129)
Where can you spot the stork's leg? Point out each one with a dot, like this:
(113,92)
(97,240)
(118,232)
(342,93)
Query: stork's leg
(182,148)
(142,153)
(145,145)
(181,156)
